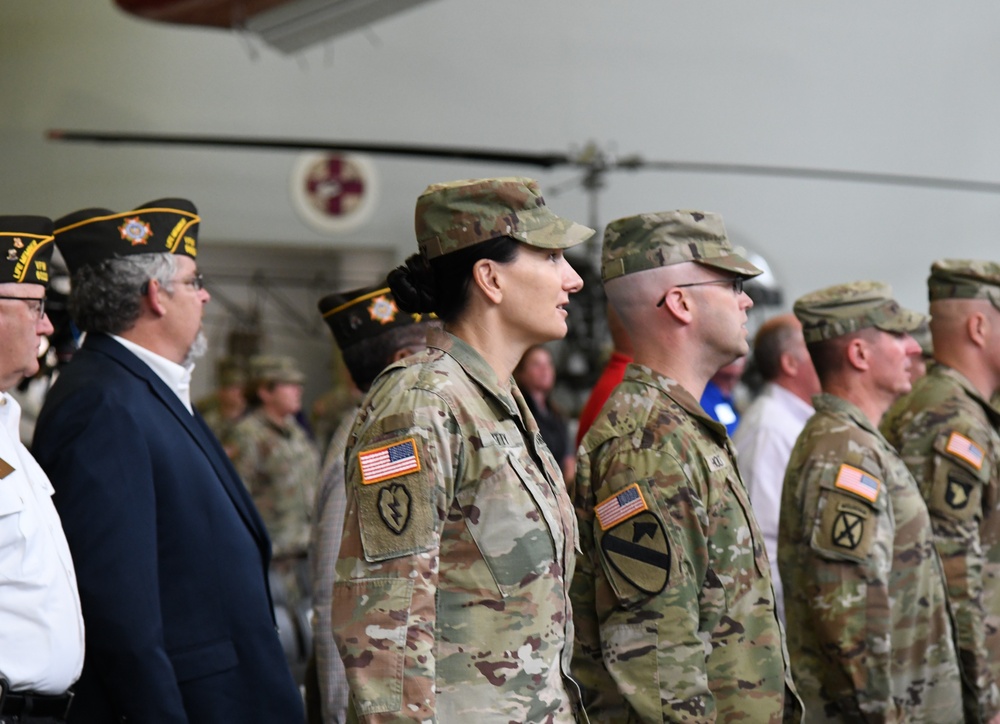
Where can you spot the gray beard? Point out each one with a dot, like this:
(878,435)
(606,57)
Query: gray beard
(197,349)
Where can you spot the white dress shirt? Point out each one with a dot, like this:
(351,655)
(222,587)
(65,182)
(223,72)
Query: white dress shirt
(764,442)
(176,377)
(41,625)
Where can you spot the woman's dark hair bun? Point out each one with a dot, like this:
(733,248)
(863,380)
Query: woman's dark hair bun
(413,285)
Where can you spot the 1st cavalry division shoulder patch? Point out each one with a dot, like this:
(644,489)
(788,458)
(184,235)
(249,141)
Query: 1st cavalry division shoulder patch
(389,461)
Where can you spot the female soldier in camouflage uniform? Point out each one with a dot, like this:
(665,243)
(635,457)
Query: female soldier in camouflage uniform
(451,602)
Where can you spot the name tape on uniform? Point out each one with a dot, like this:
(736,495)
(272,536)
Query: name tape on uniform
(962,447)
(389,461)
(620,506)
(858,482)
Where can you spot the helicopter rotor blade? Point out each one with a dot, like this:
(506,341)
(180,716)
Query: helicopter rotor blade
(590,158)
(818,174)
(543,160)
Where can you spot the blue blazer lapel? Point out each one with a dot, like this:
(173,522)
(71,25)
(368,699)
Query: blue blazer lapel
(196,428)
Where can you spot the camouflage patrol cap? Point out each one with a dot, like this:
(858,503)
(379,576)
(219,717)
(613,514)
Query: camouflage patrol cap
(26,246)
(459,214)
(846,308)
(922,335)
(964,279)
(91,236)
(230,371)
(274,368)
(648,241)
(364,313)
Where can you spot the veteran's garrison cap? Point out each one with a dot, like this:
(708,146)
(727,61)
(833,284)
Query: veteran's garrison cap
(459,214)
(91,236)
(647,241)
(846,308)
(364,313)
(964,279)
(26,248)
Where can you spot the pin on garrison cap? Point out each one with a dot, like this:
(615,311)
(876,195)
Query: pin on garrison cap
(364,313)
(459,214)
(275,368)
(90,236)
(26,246)
(652,240)
(964,279)
(846,308)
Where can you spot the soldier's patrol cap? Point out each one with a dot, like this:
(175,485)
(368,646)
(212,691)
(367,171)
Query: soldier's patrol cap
(26,246)
(922,335)
(964,279)
(846,308)
(274,368)
(364,313)
(652,240)
(230,371)
(90,236)
(459,214)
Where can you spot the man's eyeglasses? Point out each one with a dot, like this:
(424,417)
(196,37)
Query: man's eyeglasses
(196,282)
(736,282)
(34,303)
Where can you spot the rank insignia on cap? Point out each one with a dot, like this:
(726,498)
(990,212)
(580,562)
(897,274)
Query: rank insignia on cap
(135,230)
(963,448)
(858,482)
(383,309)
(388,462)
(620,506)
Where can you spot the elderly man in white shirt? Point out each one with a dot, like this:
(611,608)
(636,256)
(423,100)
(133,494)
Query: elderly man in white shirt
(771,424)
(41,625)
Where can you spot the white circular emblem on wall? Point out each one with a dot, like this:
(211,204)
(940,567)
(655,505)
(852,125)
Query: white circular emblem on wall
(332,192)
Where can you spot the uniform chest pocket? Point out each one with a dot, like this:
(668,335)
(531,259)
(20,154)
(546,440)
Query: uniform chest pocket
(507,514)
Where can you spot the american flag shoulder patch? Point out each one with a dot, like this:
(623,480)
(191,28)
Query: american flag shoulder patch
(858,482)
(389,461)
(620,506)
(963,448)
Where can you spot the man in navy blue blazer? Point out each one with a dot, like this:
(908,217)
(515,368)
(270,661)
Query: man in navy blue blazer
(170,553)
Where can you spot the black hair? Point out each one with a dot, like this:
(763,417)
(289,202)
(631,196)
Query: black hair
(442,284)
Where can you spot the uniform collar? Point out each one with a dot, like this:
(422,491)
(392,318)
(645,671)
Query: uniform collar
(672,388)
(477,368)
(834,405)
(962,381)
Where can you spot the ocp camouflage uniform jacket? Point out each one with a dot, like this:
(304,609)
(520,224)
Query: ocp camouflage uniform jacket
(946,434)
(279,465)
(672,597)
(451,602)
(868,627)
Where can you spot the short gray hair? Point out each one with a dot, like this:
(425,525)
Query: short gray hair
(106,297)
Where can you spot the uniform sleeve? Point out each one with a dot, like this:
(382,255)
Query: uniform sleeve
(846,581)
(638,593)
(112,530)
(954,491)
(400,480)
